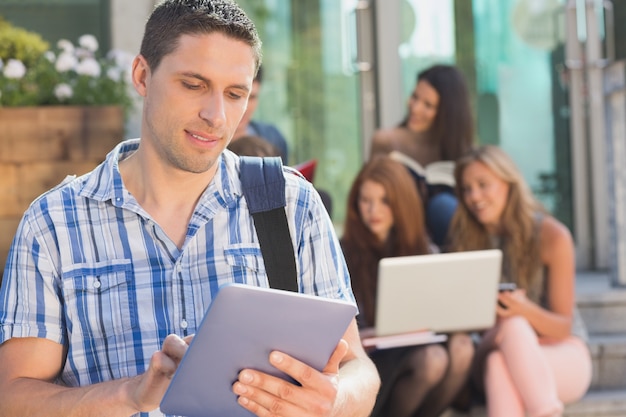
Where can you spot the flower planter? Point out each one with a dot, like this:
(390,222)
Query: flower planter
(40,146)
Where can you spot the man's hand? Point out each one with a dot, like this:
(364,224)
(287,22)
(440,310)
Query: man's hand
(147,390)
(266,395)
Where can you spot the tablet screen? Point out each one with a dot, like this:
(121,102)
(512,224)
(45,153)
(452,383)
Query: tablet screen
(240,329)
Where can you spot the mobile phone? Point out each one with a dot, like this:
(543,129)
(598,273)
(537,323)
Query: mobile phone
(507,286)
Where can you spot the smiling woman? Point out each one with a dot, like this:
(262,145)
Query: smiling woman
(437,127)
(539,338)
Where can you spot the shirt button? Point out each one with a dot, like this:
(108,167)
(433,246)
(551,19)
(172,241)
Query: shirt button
(183,324)
(97,284)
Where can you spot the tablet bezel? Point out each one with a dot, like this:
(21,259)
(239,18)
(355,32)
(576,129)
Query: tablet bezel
(240,329)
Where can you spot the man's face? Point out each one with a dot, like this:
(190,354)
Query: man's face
(194,100)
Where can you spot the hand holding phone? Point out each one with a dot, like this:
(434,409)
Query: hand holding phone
(506,287)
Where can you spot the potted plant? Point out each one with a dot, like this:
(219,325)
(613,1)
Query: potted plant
(61,111)
(32,74)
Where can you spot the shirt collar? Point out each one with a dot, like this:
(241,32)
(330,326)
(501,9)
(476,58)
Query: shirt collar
(105,182)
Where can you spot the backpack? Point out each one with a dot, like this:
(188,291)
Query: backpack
(263,184)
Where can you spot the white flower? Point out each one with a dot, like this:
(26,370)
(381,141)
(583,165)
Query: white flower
(63,91)
(65,62)
(88,42)
(121,58)
(14,69)
(49,55)
(115,74)
(65,46)
(89,66)
(82,53)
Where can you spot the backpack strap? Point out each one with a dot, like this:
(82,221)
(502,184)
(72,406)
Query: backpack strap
(263,184)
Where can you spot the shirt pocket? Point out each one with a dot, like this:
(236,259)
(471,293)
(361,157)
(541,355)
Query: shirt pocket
(100,297)
(246,263)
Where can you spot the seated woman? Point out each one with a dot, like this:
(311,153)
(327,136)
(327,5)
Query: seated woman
(438,127)
(385,219)
(535,358)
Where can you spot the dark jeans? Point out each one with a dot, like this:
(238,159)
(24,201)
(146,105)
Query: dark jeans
(439,211)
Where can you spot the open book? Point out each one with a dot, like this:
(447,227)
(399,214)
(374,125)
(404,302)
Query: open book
(420,337)
(435,173)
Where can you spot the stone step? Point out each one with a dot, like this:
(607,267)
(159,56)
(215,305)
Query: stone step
(602,306)
(599,403)
(610,403)
(608,353)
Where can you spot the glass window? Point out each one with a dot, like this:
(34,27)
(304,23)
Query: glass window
(511,52)
(428,37)
(309,90)
(520,102)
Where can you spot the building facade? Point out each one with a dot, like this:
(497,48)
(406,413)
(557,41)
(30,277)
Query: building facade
(546,76)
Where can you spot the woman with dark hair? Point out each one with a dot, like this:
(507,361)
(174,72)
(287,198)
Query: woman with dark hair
(535,358)
(385,219)
(438,127)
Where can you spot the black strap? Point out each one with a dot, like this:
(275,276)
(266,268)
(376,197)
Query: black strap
(263,184)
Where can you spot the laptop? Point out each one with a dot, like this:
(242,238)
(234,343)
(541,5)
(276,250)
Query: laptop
(241,327)
(438,293)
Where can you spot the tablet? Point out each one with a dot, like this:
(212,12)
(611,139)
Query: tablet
(239,330)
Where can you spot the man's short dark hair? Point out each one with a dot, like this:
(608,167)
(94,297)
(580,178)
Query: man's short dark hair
(173,18)
(259,74)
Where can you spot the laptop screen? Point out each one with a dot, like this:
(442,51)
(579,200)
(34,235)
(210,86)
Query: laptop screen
(439,292)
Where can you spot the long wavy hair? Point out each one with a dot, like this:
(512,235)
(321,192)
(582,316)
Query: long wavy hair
(453,127)
(518,229)
(362,248)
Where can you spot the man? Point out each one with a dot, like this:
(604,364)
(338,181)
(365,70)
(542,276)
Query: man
(107,271)
(267,131)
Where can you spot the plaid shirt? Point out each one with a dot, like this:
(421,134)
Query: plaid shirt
(90,269)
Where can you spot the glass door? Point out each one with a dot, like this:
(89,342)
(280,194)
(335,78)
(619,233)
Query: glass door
(310,87)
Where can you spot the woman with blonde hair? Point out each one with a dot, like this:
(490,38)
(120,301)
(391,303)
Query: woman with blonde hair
(535,358)
(385,219)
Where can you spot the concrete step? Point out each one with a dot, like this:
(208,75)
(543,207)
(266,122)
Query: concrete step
(599,403)
(602,307)
(596,403)
(608,354)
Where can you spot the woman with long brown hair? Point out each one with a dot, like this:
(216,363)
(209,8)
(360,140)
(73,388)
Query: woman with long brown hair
(438,126)
(385,219)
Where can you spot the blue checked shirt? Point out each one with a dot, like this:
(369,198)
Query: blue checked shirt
(91,270)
